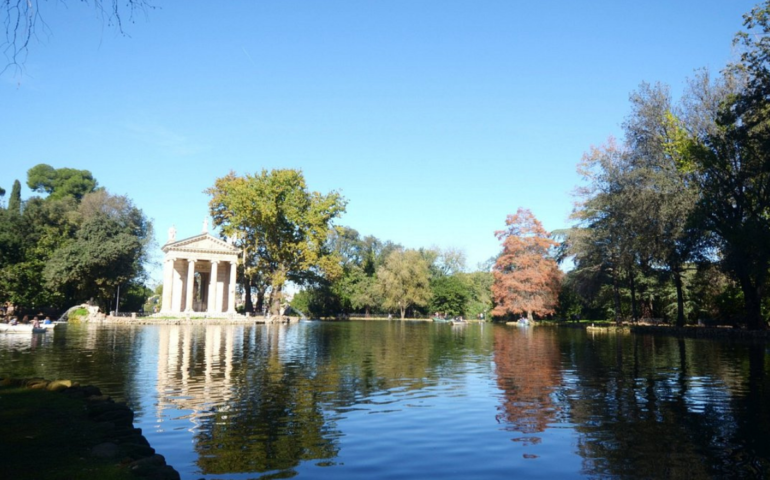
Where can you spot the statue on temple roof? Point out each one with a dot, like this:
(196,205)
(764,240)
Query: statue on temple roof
(171,234)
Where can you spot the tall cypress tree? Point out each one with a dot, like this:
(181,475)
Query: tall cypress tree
(14,202)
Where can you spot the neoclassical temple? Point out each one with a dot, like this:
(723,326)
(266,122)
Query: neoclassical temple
(199,275)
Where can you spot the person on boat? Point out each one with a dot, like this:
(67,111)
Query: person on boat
(47,321)
(25,319)
(35,323)
(13,321)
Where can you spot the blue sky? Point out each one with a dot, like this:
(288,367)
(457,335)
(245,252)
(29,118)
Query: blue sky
(435,119)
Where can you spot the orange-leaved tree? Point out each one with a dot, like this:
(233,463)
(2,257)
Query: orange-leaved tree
(526,277)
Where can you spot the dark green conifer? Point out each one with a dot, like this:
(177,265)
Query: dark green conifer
(14,202)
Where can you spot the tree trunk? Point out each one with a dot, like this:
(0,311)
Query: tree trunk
(752,304)
(275,298)
(248,306)
(632,284)
(679,298)
(616,296)
(260,300)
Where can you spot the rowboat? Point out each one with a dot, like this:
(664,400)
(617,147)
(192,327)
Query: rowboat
(522,322)
(21,328)
(53,325)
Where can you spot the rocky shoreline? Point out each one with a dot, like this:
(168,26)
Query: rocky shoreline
(119,440)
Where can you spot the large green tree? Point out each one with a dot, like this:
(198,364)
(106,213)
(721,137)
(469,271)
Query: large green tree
(72,245)
(449,295)
(479,286)
(603,244)
(404,281)
(668,234)
(108,250)
(33,237)
(732,165)
(283,225)
(60,182)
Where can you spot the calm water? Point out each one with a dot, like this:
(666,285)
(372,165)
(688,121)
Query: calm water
(383,400)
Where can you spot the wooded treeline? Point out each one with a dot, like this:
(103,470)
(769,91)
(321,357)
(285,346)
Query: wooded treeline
(379,277)
(673,220)
(287,234)
(76,243)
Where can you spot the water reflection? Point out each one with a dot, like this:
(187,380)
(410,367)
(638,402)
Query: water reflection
(250,407)
(660,407)
(528,369)
(107,357)
(401,400)
(268,399)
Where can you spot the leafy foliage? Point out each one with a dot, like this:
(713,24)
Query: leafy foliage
(283,225)
(526,278)
(449,296)
(105,253)
(404,281)
(14,201)
(60,250)
(60,183)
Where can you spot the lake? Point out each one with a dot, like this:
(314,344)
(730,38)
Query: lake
(404,400)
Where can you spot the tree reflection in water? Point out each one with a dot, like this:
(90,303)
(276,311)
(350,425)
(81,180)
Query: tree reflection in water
(255,409)
(291,384)
(528,373)
(660,407)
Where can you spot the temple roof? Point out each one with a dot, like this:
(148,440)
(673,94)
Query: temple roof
(203,243)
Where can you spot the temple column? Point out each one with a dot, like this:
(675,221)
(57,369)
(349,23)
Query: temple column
(231,289)
(190,286)
(168,285)
(177,290)
(213,303)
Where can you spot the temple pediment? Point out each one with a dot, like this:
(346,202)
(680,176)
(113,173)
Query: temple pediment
(203,243)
